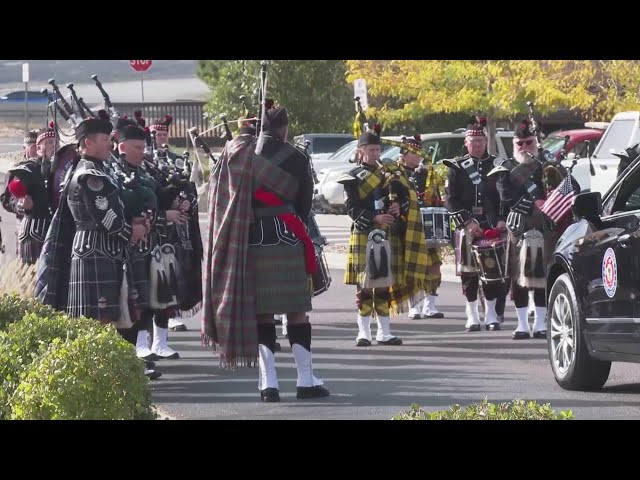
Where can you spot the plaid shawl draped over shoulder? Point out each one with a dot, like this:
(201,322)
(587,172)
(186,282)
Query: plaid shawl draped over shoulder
(229,323)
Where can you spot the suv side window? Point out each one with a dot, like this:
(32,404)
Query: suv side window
(444,147)
(448,148)
(627,197)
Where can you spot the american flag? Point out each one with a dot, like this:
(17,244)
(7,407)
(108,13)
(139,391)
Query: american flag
(560,200)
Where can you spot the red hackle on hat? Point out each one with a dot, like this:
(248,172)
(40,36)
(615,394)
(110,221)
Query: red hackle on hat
(377,128)
(51,124)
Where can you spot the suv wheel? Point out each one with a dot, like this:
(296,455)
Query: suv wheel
(572,365)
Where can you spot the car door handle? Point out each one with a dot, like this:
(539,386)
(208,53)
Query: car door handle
(624,240)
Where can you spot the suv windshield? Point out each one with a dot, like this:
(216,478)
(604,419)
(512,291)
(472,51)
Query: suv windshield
(553,144)
(616,138)
(344,152)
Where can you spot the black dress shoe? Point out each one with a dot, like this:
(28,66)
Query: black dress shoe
(312,392)
(277,347)
(149,365)
(270,395)
(492,327)
(521,336)
(391,341)
(153,374)
(363,342)
(436,315)
(540,334)
(473,328)
(415,316)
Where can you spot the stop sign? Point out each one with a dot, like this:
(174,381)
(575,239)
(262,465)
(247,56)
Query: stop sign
(140,65)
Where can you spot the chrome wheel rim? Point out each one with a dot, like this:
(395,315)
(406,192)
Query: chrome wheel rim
(562,335)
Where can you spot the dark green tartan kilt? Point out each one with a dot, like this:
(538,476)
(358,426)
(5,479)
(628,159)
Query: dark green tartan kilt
(282,283)
(357,257)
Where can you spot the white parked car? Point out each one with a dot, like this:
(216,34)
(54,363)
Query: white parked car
(329,195)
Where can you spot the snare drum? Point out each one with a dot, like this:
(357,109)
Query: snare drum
(492,257)
(321,279)
(314,230)
(436,222)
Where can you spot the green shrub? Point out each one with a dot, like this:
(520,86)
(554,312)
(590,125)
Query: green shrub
(96,376)
(13,308)
(516,410)
(25,340)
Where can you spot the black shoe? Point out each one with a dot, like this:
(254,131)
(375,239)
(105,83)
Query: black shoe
(179,328)
(521,335)
(540,334)
(391,341)
(436,315)
(149,365)
(492,327)
(363,342)
(270,395)
(312,392)
(153,374)
(473,328)
(416,316)
(152,357)
(277,347)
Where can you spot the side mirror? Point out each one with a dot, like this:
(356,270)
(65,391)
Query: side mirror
(588,205)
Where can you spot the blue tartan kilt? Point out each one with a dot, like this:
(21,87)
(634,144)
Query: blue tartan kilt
(138,265)
(94,286)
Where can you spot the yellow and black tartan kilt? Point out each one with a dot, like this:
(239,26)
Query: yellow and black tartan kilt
(434,277)
(357,257)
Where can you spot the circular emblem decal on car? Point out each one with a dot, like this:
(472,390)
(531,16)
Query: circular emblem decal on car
(610,273)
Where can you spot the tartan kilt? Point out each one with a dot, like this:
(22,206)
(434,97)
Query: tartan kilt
(94,286)
(434,277)
(138,265)
(282,283)
(357,257)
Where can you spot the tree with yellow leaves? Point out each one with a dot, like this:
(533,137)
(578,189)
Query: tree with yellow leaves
(497,88)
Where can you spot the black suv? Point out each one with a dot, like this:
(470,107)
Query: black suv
(593,286)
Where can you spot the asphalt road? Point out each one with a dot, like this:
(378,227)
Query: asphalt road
(438,365)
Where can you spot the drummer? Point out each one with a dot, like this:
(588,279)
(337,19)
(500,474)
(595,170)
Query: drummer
(429,186)
(474,203)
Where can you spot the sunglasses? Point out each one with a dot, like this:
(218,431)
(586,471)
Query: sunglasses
(523,142)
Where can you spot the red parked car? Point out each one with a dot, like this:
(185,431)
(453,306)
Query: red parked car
(555,141)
